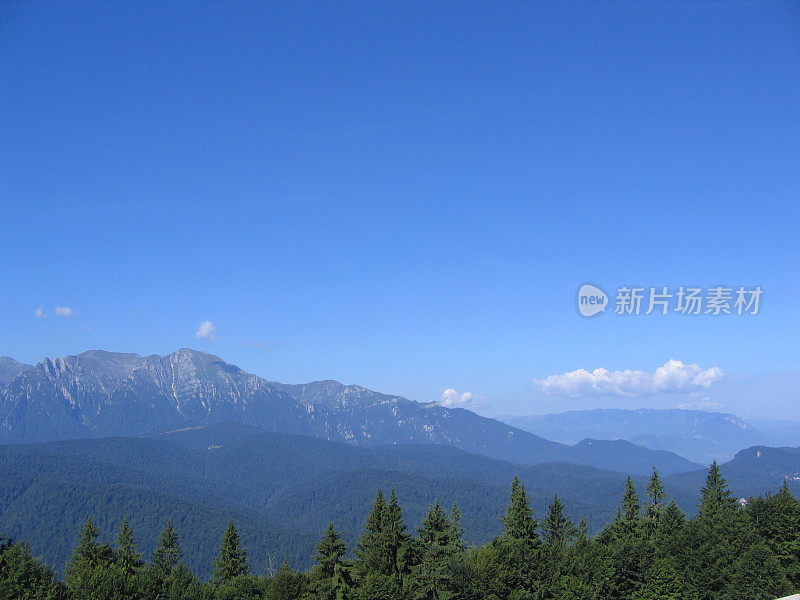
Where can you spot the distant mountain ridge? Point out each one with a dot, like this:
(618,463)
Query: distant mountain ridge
(10,368)
(97,394)
(697,435)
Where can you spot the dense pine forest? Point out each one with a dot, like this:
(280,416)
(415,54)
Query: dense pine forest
(650,551)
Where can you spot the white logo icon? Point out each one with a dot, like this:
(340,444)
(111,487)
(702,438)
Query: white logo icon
(591,300)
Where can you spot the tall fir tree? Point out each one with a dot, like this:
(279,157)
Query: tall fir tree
(84,560)
(716,538)
(330,578)
(395,540)
(126,554)
(631,509)
(438,544)
(715,495)
(519,568)
(370,553)
(168,553)
(557,530)
(232,559)
(518,521)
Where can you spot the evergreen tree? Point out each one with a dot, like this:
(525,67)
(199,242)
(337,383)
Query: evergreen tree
(715,495)
(23,577)
(668,537)
(664,583)
(456,533)
(757,575)
(370,553)
(285,584)
(395,541)
(777,520)
(558,530)
(716,538)
(183,585)
(518,521)
(438,543)
(85,559)
(376,567)
(168,553)
(631,509)
(126,554)
(330,579)
(519,570)
(630,553)
(232,559)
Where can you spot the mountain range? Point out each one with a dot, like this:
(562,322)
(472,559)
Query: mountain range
(191,438)
(697,435)
(100,394)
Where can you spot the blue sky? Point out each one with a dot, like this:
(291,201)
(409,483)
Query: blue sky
(406,195)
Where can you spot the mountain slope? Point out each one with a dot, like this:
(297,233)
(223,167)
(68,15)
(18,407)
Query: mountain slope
(10,368)
(697,435)
(101,393)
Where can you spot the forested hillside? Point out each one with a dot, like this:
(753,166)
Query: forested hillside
(649,551)
(280,489)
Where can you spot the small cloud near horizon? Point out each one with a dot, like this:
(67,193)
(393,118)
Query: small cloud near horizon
(39,312)
(674,377)
(452,398)
(206,331)
(65,311)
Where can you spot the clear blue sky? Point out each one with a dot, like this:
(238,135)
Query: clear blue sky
(404,195)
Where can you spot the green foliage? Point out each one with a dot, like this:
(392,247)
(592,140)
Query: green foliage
(664,583)
(757,575)
(437,546)
(724,553)
(232,560)
(125,554)
(168,553)
(286,584)
(518,521)
(330,579)
(22,577)
(777,520)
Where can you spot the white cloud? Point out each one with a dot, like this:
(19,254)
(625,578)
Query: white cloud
(673,377)
(451,397)
(206,331)
(65,311)
(39,313)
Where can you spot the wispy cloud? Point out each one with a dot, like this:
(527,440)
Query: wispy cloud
(673,377)
(39,312)
(65,311)
(206,331)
